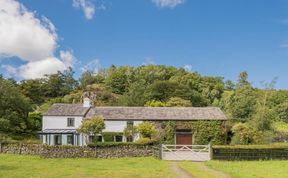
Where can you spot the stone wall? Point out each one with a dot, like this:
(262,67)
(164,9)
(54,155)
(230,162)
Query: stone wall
(46,151)
(20,148)
(118,151)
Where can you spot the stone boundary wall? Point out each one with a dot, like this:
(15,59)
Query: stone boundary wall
(21,148)
(46,151)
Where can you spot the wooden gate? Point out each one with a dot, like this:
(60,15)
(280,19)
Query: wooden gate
(186,152)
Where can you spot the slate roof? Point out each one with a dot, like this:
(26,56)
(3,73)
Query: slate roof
(138,113)
(67,110)
(157,113)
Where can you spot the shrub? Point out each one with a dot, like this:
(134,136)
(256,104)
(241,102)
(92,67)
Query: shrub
(244,134)
(146,129)
(143,141)
(114,144)
(130,131)
(265,146)
(92,126)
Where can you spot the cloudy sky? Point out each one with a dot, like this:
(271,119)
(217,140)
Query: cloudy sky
(213,37)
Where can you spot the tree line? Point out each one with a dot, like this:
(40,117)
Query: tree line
(252,112)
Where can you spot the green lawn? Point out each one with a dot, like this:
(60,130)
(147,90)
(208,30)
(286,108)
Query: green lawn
(252,169)
(33,166)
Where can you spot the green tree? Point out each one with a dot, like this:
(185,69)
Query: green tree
(34,121)
(60,84)
(229,85)
(130,131)
(119,79)
(161,90)
(211,88)
(89,78)
(242,103)
(92,126)
(146,129)
(135,95)
(243,80)
(33,89)
(178,102)
(282,112)
(155,103)
(245,134)
(14,109)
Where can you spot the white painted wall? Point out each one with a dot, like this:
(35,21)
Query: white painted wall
(117,126)
(59,122)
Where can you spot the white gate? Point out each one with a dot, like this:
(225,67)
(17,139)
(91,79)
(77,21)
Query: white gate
(186,152)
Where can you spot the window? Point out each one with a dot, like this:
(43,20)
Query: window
(130,123)
(118,138)
(70,139)
(70,122)
(93,139)
(57,140)
(99,138)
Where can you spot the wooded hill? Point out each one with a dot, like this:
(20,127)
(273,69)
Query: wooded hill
(256,115)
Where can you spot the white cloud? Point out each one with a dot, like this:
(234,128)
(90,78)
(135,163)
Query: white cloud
(32,40)
(23,35)
(37,69)
(68,58)
(93,66)
(187,67)
(168,3)
(87,7)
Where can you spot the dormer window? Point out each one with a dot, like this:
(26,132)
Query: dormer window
(70,122)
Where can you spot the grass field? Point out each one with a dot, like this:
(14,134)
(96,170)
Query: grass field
(197,170)
(33,166)
(252,169)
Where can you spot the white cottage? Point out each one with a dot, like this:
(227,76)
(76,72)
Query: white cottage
(61,121)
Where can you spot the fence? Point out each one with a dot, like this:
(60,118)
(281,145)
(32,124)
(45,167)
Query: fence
(186,152)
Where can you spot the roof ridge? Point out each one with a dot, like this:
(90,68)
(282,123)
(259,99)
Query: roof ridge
(209,107)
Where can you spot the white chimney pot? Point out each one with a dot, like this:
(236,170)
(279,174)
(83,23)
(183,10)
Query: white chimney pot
(86,103)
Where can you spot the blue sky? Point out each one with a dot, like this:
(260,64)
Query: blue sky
(219,38)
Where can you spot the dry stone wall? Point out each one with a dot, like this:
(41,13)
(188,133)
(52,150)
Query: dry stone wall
(46,151)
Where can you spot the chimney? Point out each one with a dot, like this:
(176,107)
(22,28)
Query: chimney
(86,103)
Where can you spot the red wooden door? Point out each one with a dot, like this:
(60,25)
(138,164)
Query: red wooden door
(183,139)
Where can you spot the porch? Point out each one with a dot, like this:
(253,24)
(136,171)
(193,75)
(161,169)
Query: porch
(62,137)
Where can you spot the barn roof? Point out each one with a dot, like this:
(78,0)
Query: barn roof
(138,113)
(157,113)
(67,110)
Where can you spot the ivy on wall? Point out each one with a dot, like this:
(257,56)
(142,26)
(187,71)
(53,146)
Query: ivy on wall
(205,132)
(169,128)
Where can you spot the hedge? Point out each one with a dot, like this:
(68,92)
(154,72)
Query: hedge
(112,144)
(270,146)
(251,152)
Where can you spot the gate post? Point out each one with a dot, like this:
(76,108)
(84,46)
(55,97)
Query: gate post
(161,152)
(210,151)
